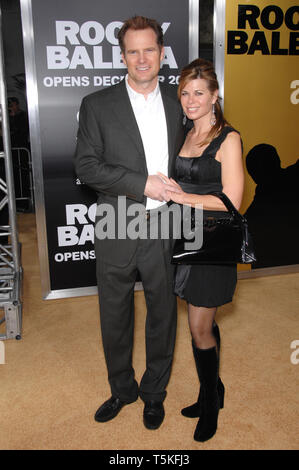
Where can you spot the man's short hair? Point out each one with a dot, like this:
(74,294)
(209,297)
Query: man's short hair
(137,23)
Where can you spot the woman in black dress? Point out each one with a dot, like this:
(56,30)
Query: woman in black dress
(210,160)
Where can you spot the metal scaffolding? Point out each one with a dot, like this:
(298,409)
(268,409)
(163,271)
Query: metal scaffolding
(10,266)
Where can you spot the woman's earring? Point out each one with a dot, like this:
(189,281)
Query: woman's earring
(213,118)
(184,119)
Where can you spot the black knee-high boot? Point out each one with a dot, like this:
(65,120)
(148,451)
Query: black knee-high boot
(193,411)
(207,366)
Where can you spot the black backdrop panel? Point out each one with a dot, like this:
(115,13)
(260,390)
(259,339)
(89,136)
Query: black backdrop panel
(76,53)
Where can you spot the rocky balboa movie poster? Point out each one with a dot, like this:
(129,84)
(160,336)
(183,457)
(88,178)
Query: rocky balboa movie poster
(261,100)
(76,52)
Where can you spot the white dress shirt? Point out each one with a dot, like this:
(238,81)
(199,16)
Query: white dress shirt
(150,117)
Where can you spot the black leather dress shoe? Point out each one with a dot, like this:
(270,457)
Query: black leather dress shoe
(153,414)
(109,410)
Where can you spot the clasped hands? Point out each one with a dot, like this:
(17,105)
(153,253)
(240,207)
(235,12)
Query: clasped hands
(162,188)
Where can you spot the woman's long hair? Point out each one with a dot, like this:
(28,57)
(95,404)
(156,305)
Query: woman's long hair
(201,68)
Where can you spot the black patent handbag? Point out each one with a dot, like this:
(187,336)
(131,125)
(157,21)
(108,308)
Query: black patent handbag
(224,240)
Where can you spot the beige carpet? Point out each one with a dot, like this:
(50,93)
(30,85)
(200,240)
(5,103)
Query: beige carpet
(54,379)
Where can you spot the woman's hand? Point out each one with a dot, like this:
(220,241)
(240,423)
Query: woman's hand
(177,195)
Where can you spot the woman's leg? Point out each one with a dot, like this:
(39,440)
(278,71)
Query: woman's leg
(194,410)
(201,321)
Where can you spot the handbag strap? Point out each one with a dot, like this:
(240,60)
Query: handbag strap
(229,205)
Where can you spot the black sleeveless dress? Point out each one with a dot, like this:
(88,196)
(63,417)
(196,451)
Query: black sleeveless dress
(204,285)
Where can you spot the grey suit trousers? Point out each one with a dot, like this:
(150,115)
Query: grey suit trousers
(116,297)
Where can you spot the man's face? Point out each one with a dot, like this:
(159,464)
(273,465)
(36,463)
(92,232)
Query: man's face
(142,57)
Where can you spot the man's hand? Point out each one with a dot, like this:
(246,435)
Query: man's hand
(157,188)
(176,194)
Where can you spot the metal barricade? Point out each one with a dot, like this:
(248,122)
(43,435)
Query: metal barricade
(23,179)
(10,264)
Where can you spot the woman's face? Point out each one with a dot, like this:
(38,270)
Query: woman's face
(196,99)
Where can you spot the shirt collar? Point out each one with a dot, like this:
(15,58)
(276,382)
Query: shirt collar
(134,95)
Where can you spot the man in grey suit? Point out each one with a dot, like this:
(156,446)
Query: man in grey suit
(127,134)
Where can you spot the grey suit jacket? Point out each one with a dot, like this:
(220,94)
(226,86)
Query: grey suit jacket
(110,156)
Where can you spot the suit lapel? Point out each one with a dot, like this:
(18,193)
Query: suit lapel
(125,114)
(171,112)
